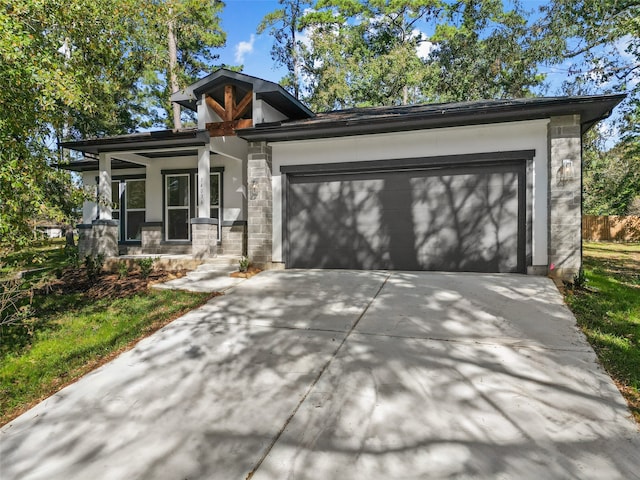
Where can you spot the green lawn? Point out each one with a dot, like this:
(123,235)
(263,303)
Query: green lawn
(608,311)
(68,335)
(68,344)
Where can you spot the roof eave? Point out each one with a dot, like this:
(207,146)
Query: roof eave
(146,140)
(189,96)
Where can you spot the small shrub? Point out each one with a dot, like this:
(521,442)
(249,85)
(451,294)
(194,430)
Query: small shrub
(244,264)
(580,279)
(146,266)
(123,270)
(72,256)
(93,265)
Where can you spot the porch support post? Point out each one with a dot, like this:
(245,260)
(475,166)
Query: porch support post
(104,187)
(204,230)
(204,187)
(260,205)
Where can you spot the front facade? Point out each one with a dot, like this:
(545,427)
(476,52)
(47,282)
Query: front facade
(491,186)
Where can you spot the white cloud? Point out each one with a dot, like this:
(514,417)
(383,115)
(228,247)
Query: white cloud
(425,47)
(244,48)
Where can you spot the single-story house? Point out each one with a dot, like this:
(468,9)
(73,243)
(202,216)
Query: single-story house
(483,186)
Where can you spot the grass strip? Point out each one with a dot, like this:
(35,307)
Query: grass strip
(608,312)
(67,345)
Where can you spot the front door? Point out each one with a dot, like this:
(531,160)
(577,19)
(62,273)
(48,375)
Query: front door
(178,207)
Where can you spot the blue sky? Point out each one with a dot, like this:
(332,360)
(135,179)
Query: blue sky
(240,19)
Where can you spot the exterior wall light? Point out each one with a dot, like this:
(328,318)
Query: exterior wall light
(253,190)
(565,172)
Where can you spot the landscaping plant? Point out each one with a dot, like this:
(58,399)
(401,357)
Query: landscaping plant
(244,264)
(93,265)
(146,266)
(123,269)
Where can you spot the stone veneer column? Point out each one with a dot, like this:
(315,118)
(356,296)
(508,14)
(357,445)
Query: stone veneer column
(105,237)
(204,237)
(565,196)
(259,204)
(85,239)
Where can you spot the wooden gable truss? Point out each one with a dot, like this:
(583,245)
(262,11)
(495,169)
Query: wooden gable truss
(231,114)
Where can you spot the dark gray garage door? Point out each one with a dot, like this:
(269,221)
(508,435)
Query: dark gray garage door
(462,218)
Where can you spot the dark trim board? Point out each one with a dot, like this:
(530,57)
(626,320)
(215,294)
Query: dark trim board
(517,162)
(137,176)
(399,164)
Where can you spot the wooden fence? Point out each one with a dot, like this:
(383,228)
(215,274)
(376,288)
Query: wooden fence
(611,228)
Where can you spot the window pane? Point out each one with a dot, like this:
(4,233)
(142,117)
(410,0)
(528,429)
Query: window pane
(134,225)
(135,192)
(214,180)
(178,227)
(213,213)
(178,191)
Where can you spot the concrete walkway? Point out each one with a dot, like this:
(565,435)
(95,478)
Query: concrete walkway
(343,375)
(211,276)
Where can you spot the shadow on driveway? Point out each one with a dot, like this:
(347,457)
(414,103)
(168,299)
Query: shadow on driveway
(343,374)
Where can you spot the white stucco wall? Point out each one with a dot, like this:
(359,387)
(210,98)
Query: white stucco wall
(233,188)
(529,135)
(265,113)
(206,114)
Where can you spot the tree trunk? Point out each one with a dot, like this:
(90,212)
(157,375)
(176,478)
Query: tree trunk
(296,59)
(68,234)
(173,73)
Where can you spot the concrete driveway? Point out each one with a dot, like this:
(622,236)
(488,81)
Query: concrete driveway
(343,375)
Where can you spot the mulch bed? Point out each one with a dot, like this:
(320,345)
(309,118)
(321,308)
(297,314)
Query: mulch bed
(106,285)
(251,271)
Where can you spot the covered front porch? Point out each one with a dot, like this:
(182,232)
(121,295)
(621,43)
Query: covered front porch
(152,196)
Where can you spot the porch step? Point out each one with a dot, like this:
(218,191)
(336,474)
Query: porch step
(215,263)
(222,265)
(213,275)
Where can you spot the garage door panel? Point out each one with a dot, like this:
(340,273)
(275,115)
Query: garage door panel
(464,219)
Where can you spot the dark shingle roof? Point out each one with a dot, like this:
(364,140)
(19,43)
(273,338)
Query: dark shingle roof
(360,121)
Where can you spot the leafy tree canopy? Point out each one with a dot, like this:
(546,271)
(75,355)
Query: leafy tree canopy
(373,52)
(182,47)
(389,52)
(76,68)
(599,42)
